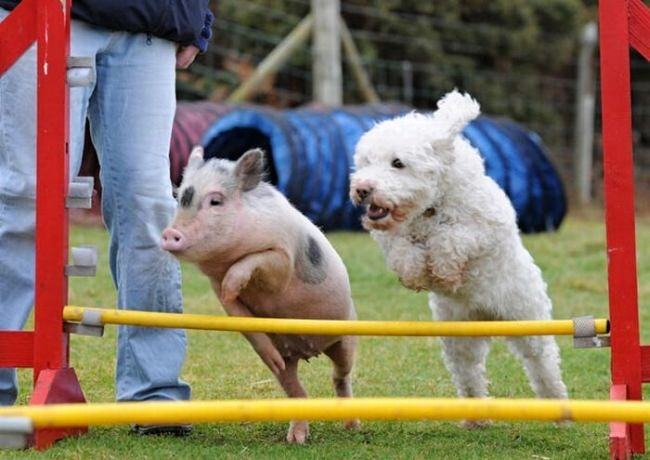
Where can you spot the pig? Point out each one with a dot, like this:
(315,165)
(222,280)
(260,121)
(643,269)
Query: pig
(264,259)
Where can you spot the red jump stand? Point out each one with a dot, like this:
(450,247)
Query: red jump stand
(46,348)
(622,23)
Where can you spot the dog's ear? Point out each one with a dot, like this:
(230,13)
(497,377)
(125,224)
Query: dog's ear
(455,110)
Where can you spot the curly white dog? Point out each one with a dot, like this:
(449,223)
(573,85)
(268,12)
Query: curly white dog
(446,227)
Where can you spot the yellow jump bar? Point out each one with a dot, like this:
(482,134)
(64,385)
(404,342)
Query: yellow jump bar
(98,316)
(73,415)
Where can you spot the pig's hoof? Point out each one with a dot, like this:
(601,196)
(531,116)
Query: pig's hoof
(229,294)
(236,279)
(563,423)
(298,433)
(475,424)
(354,425)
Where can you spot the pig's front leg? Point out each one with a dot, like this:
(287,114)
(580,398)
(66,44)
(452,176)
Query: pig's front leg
(272,271)
(260,342)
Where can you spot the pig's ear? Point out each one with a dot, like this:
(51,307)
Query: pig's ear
(196,159)
(249,169)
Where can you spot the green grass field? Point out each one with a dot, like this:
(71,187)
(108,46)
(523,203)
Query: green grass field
(222,365)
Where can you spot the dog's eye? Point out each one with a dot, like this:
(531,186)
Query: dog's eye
(397,163)
(215,202)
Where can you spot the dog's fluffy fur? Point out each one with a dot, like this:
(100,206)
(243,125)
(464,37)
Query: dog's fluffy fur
(446,227)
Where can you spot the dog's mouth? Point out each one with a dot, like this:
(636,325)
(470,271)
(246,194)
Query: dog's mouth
(382,215)
(375,212)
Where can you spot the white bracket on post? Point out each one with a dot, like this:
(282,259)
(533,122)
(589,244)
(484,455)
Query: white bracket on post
(80,192)
(15,432)
(83,329)
(584,333)
(84,261)
(91,324)
(81,71)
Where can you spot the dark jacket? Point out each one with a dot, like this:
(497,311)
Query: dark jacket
(181,21)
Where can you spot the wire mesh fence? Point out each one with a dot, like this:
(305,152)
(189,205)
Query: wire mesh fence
(515,67)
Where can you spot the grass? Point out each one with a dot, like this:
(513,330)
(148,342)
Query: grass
(222,365)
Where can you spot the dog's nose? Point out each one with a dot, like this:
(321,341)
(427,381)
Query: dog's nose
(363,193)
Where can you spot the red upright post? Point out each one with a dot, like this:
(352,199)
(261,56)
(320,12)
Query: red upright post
(48,23)
(54,381)
(51,289)
(616,17)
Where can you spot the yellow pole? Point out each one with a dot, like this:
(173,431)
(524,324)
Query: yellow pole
(328,327)
(72,415)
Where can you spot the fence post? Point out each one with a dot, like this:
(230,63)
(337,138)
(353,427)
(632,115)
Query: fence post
(407,82)
(584,116)
(326,49)
(356,66)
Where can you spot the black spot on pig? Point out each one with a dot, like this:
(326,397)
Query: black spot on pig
(313,252)
(187,197)
(310,263)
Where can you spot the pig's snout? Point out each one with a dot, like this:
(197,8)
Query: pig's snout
(173,240)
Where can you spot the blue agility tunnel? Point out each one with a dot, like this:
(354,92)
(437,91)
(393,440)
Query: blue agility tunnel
(310,154)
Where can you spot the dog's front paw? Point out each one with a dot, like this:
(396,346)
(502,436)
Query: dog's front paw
(415,284)
(447,277)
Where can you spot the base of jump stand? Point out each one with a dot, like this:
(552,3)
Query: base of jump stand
(56,386)
(625,439)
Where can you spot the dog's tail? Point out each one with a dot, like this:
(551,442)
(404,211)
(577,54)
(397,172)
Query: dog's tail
(455,110)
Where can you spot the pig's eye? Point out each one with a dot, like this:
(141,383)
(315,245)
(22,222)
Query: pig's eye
(212,200)
(397,163)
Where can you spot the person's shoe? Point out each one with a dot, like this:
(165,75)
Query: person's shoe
(163,430)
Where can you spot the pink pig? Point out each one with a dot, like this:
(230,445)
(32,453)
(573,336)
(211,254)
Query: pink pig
(264,259)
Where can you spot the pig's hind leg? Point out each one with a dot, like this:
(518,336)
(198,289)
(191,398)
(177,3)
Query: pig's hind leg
(342,355)
(288,378)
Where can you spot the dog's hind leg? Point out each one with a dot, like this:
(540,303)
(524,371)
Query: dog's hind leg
(464,357)
(541,358)
(465,360)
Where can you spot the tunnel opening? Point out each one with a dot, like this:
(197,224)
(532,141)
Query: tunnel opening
(233,143)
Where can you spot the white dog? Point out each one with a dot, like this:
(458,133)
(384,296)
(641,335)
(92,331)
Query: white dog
(446,227)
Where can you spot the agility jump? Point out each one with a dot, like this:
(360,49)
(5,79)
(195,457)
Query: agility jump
(45,349)
(280,410)
(95,317)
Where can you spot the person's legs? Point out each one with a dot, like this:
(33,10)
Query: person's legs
(131,114)
(18,183)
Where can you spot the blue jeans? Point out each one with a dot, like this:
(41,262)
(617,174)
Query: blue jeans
(130,109)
